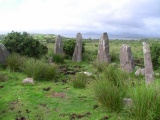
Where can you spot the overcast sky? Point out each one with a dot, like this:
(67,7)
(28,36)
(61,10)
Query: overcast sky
(113,16)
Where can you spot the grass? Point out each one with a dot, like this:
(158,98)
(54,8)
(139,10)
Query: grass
(15,62)
(17,99)
(39,70)
(80,80)
(110,88)
(49,100)
(146,102)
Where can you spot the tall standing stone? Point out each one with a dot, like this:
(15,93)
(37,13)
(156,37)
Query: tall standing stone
(77,55)
(3,54)
(148,64)
(58,45)
(103,51)
(126,58)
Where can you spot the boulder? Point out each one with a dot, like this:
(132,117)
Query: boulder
(28,81)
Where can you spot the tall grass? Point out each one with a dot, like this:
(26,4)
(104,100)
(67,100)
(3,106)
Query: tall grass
(100,66)
(15,61)
(146,102)
(80,80)
(40,70)
(58,58)
(114,56)
(110,88)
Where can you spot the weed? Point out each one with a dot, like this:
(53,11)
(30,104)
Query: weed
(58,58)
(40,70)
(15,62)
(80,81)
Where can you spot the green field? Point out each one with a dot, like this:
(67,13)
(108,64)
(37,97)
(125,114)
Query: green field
(49,100)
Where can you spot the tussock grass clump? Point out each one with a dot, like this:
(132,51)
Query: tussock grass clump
(58,58)
(3,77)
(40,70)
(110,88)
(100,66)
(80,80)
(15,61)
(146,102)
(114,56)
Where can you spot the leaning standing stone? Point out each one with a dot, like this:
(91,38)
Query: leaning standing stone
(3,54)
(103,51)
(148,64)
(126,58)
(58,45)
(77,55)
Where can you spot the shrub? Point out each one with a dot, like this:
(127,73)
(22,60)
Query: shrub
(24,44)
(69,46)
(155,54)
(40,70)
(80,81)
(15,61)
(146,102)
(58,58)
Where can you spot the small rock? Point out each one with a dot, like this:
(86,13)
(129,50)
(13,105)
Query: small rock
(28,81)
(138,72)
(87,73)
(128,102)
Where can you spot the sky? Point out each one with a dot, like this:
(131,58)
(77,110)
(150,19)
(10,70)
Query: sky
(85,16)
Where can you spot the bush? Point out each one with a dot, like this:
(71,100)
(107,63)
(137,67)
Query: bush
(69,46)
(40,70)
(15,62)
(155,54)
(80,81)
(58,58)
(24,44)
(146,102)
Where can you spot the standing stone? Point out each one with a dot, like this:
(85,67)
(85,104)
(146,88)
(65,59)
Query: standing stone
(103,51)
(77,55)
(3,54)
(148,64)
(58,45)
(126,58)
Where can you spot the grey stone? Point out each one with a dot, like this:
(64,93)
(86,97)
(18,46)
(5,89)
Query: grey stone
(28,81)
(77,55)
(58,45)
(103,51)
(128,102)
(126,58)
(3,54)
(143,71)
(138,72)
(87,73)
(148,64)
